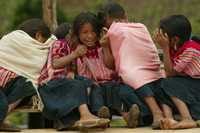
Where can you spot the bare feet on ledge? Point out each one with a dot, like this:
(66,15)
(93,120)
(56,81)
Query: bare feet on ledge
(173,124)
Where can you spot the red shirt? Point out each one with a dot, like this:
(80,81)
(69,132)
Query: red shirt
(92,66)
(59,49)
(6,76)
(187,59)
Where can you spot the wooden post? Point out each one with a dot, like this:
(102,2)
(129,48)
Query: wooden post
(49,13)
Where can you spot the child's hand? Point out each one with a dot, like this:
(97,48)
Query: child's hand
(71,75)
(104,41)
(95,83)
(80,50)
(161,38)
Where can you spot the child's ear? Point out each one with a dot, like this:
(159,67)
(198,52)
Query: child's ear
(176,39)
(38,35)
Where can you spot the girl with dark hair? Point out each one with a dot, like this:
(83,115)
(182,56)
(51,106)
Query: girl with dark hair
(107,90)
(133,55)
(63,94)
(181,52)
(23,53)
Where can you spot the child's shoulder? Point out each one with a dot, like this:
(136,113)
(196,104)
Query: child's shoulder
(61,42)
(127,24)
(191,45)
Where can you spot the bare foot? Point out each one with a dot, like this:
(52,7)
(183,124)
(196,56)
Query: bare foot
(92,121)
(185,124)
(168,123)
(156,121)
(88,117)
(133,115)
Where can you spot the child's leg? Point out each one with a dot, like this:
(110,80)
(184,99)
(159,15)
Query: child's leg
(135,111)
(132,117)
(3,111)
(187,121)
(97,104)
(167,111)
(147,92)
(3,107)
(169,121)
(155,109)
(182,108)
(88,120)
(85,114)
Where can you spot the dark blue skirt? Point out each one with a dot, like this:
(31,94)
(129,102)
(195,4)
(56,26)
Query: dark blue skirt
(186,89)
(62,96)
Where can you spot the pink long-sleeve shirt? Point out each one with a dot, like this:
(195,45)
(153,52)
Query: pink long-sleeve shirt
(136,56)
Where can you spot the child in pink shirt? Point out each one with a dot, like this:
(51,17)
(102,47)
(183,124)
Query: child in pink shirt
(135,55)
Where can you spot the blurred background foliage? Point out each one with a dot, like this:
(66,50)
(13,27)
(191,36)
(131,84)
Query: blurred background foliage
(149,12)
(19,119)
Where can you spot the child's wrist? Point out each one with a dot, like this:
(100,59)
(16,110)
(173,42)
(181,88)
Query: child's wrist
(75,55)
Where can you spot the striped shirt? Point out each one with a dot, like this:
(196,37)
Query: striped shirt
(59,49)
(93,67)
(187,59)
(6,76)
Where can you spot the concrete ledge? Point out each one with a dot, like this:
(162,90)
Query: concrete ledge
(117,130)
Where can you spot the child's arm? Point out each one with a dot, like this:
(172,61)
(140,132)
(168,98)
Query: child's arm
(108,58)
(163,41)
(107,53)
(65,60)
(168,66)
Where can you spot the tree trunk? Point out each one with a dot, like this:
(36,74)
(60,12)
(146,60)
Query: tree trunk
(49,13)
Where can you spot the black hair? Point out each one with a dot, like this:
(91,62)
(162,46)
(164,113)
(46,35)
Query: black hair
(62,30)
(177,25)
(32,26)
(83,18)
(111,9)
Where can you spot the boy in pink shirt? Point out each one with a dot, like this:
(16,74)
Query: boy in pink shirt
(133,55)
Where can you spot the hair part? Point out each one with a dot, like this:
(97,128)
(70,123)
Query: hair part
(32,26)
(84,18)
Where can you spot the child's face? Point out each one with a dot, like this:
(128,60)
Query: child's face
(87,35)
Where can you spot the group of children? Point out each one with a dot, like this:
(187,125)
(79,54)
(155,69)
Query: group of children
(103,65)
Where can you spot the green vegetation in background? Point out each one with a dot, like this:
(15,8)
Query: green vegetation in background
(149,12)
(72,8)
(32,9)
(6,13)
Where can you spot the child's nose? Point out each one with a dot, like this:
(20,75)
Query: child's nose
(90,35)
